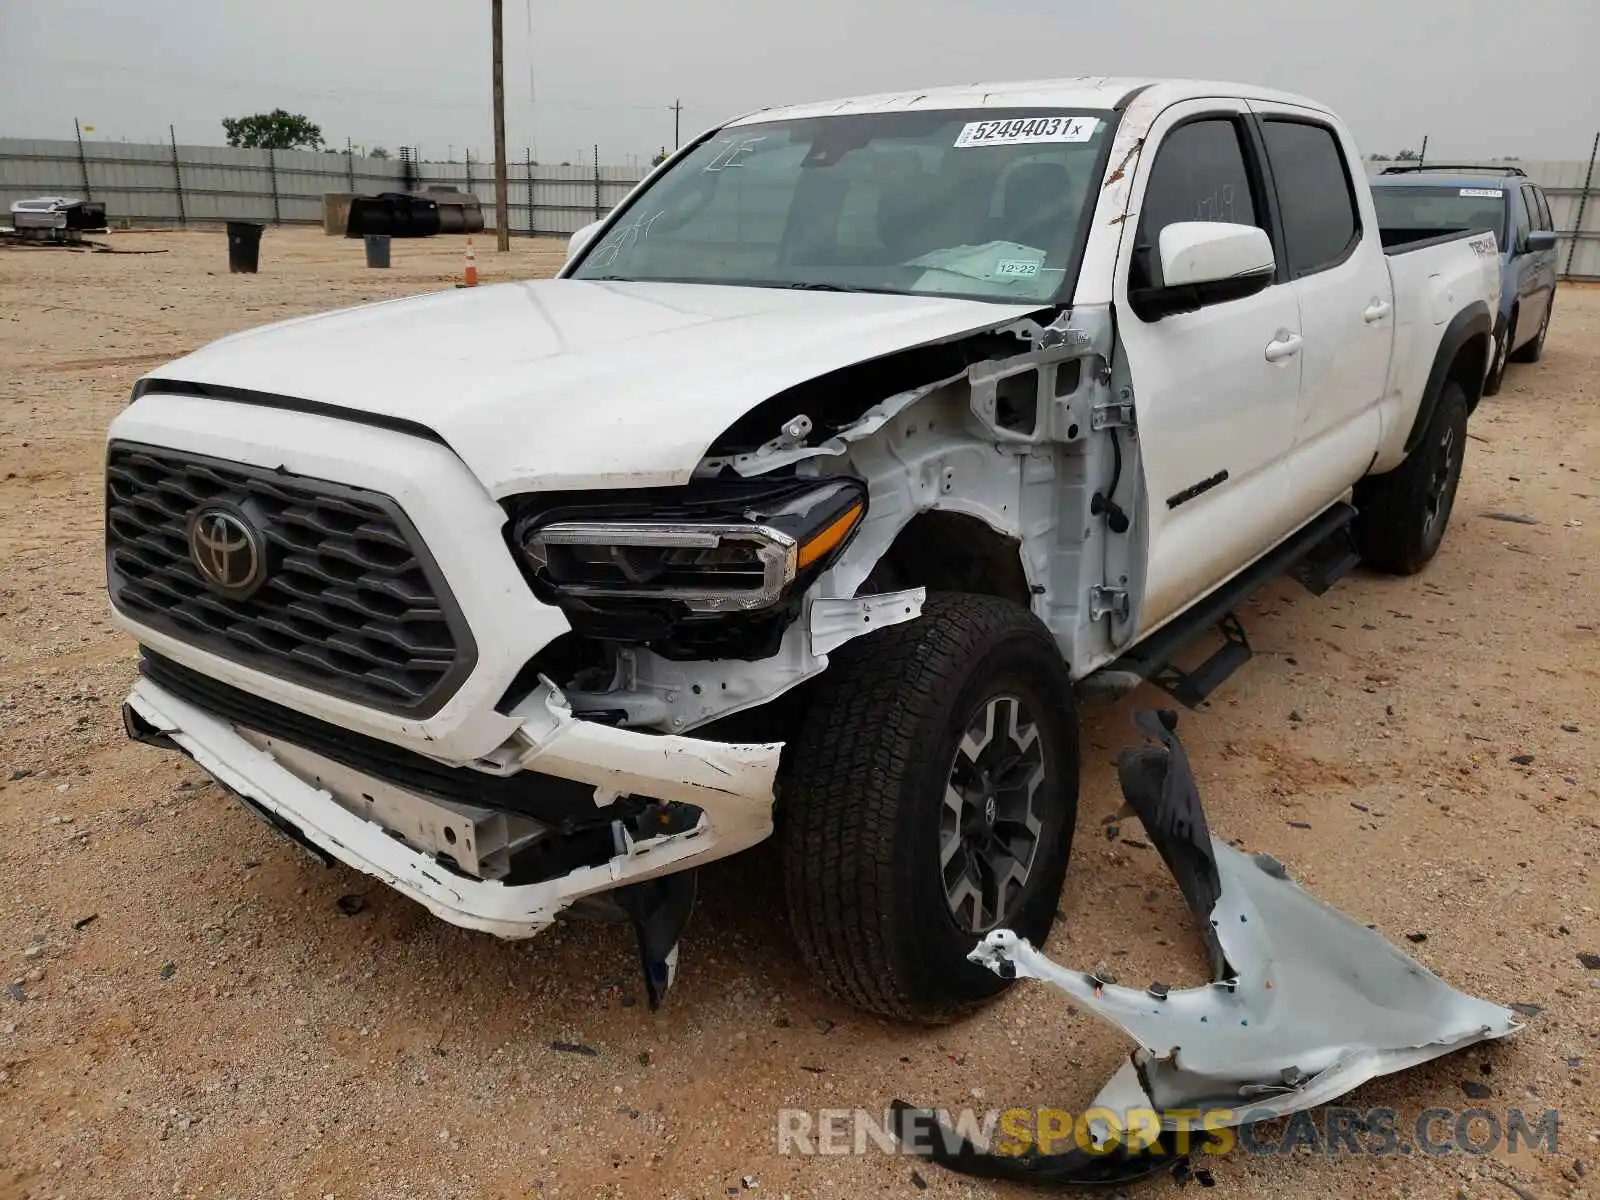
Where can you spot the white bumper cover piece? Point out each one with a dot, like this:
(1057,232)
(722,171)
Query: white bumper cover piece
(731,784)
(1306,1003)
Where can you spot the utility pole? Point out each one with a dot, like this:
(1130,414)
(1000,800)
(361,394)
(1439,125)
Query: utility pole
(677,121)
(1422,155)
(502,216)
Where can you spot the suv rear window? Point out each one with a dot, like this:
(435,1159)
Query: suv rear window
(1320,222)
(1430,210)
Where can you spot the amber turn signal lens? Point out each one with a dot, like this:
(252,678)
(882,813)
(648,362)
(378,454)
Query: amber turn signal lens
(830,537)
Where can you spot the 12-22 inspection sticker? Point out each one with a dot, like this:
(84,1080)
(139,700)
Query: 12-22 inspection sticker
(1026,131)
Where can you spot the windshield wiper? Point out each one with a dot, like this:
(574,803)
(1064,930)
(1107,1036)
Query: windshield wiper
(813,286)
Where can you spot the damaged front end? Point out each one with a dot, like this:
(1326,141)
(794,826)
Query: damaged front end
(1305,1004)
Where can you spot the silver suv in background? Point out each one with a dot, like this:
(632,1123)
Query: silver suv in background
(1416,201)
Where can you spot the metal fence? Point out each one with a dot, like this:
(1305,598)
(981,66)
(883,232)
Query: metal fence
(178,185)
(144,185)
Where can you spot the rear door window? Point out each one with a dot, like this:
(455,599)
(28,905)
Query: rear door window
(1317,202)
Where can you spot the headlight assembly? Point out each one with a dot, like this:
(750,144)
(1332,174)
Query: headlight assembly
(710,564)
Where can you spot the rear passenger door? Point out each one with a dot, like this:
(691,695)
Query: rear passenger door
(1341,282)
(1216,388)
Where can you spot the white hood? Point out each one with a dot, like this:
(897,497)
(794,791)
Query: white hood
(558,384)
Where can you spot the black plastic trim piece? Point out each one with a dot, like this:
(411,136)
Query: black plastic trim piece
(1130,96)
(1470,322)
(217,391)
(546,798)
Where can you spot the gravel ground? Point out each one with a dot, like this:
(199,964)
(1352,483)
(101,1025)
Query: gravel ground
(190,1011)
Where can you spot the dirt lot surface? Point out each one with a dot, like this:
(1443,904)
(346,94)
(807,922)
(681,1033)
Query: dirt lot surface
(186,1010)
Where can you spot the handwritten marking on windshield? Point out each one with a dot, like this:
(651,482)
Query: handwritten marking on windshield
(733,150)
(624,237)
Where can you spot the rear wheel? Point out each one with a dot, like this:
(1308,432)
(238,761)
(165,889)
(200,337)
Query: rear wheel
(1401,516)
(931,798)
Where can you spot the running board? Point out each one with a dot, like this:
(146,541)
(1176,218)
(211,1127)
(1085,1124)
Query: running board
(1317,556)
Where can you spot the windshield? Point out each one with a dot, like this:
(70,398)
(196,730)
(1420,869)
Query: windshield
(981,204)
(1440,209)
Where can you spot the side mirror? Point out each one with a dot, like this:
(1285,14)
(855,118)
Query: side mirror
(1541,239)
(1206,262)
(581,239)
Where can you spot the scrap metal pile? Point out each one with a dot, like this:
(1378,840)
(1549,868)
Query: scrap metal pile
(1305,1004)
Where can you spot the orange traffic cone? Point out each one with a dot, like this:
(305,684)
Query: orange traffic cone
(471,278)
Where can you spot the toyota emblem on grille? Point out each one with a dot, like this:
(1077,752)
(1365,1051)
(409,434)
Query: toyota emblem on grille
(227,551)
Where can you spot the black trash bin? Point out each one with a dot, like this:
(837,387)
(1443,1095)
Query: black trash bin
(244,246)
(377,249)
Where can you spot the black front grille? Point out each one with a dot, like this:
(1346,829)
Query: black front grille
(352,603)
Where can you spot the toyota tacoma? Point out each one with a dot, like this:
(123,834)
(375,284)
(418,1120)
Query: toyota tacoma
(848,452)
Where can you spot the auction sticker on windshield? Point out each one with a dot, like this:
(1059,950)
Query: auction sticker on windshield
(1483,193)
(1026,131)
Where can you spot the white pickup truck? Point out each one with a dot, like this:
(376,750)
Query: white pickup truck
(844,455)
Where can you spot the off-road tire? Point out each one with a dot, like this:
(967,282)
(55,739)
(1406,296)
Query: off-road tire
(1534,350)
(1401,516)
(861,797)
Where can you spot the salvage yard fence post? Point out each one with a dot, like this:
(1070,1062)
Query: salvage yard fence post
(177,176)
(83,163)
(272,172)
(1583,208)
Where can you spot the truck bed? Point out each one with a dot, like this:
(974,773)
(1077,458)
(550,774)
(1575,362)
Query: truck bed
(1399,240)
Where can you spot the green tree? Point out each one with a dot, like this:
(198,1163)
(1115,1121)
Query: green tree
(276,130)
(378,152)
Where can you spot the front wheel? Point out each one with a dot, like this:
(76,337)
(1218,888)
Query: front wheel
(931,797)
(1401,515)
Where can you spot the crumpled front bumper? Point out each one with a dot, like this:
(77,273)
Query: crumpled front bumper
(731,784)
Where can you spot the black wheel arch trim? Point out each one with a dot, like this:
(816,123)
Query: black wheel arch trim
(1472,321)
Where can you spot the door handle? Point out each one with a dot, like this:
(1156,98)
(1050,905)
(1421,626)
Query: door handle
(1284,345)
(1377,311)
